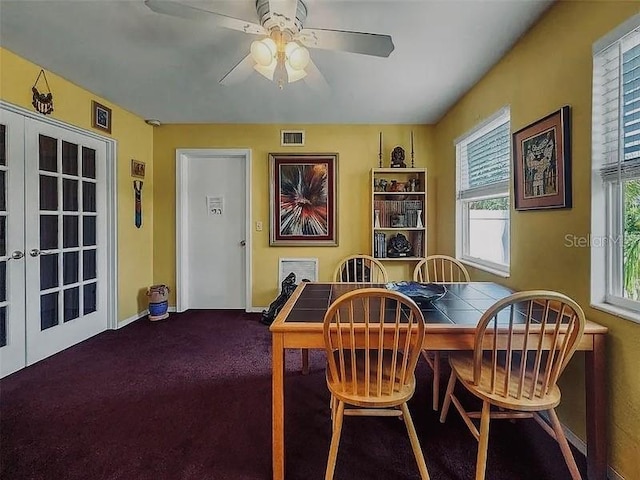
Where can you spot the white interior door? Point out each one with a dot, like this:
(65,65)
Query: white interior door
(66,237)
(12,261)
(54,269)
(214,247)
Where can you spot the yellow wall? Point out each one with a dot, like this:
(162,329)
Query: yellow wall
(357,146)
(72,104)
(551,66)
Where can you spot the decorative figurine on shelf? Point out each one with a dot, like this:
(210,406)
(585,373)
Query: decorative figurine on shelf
(399,246)
(288,286)
(397,158)
(396,186)
(382,183)
(412,185)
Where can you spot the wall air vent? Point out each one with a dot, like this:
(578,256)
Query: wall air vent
(291,138)
(304,269)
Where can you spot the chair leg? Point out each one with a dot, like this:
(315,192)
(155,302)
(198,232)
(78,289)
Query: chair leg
(564,445)
(436,380)
(447,397)
(305,361)
(335,441)
(483,441)
(415,444)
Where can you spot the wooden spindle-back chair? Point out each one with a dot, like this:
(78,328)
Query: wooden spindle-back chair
(522,345)
(438,269)
(372,339)
(360,268)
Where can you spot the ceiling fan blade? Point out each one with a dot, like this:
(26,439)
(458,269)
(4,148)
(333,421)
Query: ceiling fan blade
(285,9)
(180,10)
(356,42)
(240,72)
(315,80)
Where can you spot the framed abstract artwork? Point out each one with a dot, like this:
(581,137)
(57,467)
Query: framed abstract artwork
(303,199)
(542,163)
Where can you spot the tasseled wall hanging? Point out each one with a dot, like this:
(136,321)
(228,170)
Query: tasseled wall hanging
(42,102)
(137,188)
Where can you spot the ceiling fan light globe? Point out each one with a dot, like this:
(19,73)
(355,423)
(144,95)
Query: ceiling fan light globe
(298,57)
(295,75)
(266,72)
(263,51)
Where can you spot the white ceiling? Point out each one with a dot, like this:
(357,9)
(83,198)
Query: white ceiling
(168,68)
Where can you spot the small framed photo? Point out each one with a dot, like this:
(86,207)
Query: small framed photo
(542,163)
(137,169)
(100,116)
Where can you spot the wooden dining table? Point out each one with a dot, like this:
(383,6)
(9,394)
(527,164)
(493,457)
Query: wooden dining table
(450,325)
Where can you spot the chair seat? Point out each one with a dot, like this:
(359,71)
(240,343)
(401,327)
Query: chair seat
(462,364)
(355,394)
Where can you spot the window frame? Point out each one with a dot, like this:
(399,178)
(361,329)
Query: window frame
(607,202)
(498,189)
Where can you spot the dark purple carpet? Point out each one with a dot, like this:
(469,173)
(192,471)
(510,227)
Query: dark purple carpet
(190,398)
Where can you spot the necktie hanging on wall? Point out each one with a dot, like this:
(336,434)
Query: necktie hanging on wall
(137,188)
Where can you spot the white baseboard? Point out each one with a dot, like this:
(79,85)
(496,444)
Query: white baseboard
(255,309)
(577,442)
(139,315)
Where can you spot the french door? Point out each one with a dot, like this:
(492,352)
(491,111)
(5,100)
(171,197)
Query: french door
(53,237)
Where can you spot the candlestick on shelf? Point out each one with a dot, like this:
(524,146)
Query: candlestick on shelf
(411,148)
(380,151)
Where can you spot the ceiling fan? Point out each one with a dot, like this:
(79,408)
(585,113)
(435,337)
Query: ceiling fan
(280,55)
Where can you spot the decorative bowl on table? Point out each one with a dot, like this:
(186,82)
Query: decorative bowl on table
(421,293)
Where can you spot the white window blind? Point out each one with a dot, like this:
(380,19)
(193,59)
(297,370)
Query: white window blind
(484,157)
(616,108)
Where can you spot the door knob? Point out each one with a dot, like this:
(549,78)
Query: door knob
(34,252)
(16,255)
(242,243)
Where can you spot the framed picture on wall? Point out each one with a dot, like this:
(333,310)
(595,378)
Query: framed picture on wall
(100,116)
(542,163)
(303,199)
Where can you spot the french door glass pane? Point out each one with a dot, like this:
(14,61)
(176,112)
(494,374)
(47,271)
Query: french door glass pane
(88,197)
(48,193)
(89,265)
(3,145)
(88,162)
(71,304)
(88,231)
(70,267)
(48,232)
(48,271)
(3,326)
(69,195)
(48,154)
(69,231)
(3,281)
(48,310)
(89,298)
(3,236)
(3,190)
(69,158)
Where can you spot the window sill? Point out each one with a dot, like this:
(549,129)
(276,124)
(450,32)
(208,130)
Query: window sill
(625,313)
(480,266)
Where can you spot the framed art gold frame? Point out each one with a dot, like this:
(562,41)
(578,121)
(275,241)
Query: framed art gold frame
(303,199)
(100,116)
(542,163)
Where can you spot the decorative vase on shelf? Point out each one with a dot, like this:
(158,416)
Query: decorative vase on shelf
(376,221)
(419,222)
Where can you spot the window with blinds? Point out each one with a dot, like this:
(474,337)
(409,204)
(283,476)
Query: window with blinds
(615,206)
(483,159)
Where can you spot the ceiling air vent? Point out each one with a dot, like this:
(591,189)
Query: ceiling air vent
(291,138)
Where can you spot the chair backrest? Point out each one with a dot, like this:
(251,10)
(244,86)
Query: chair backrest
(440,269)
(384,363)
(360,268)
(526,340)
